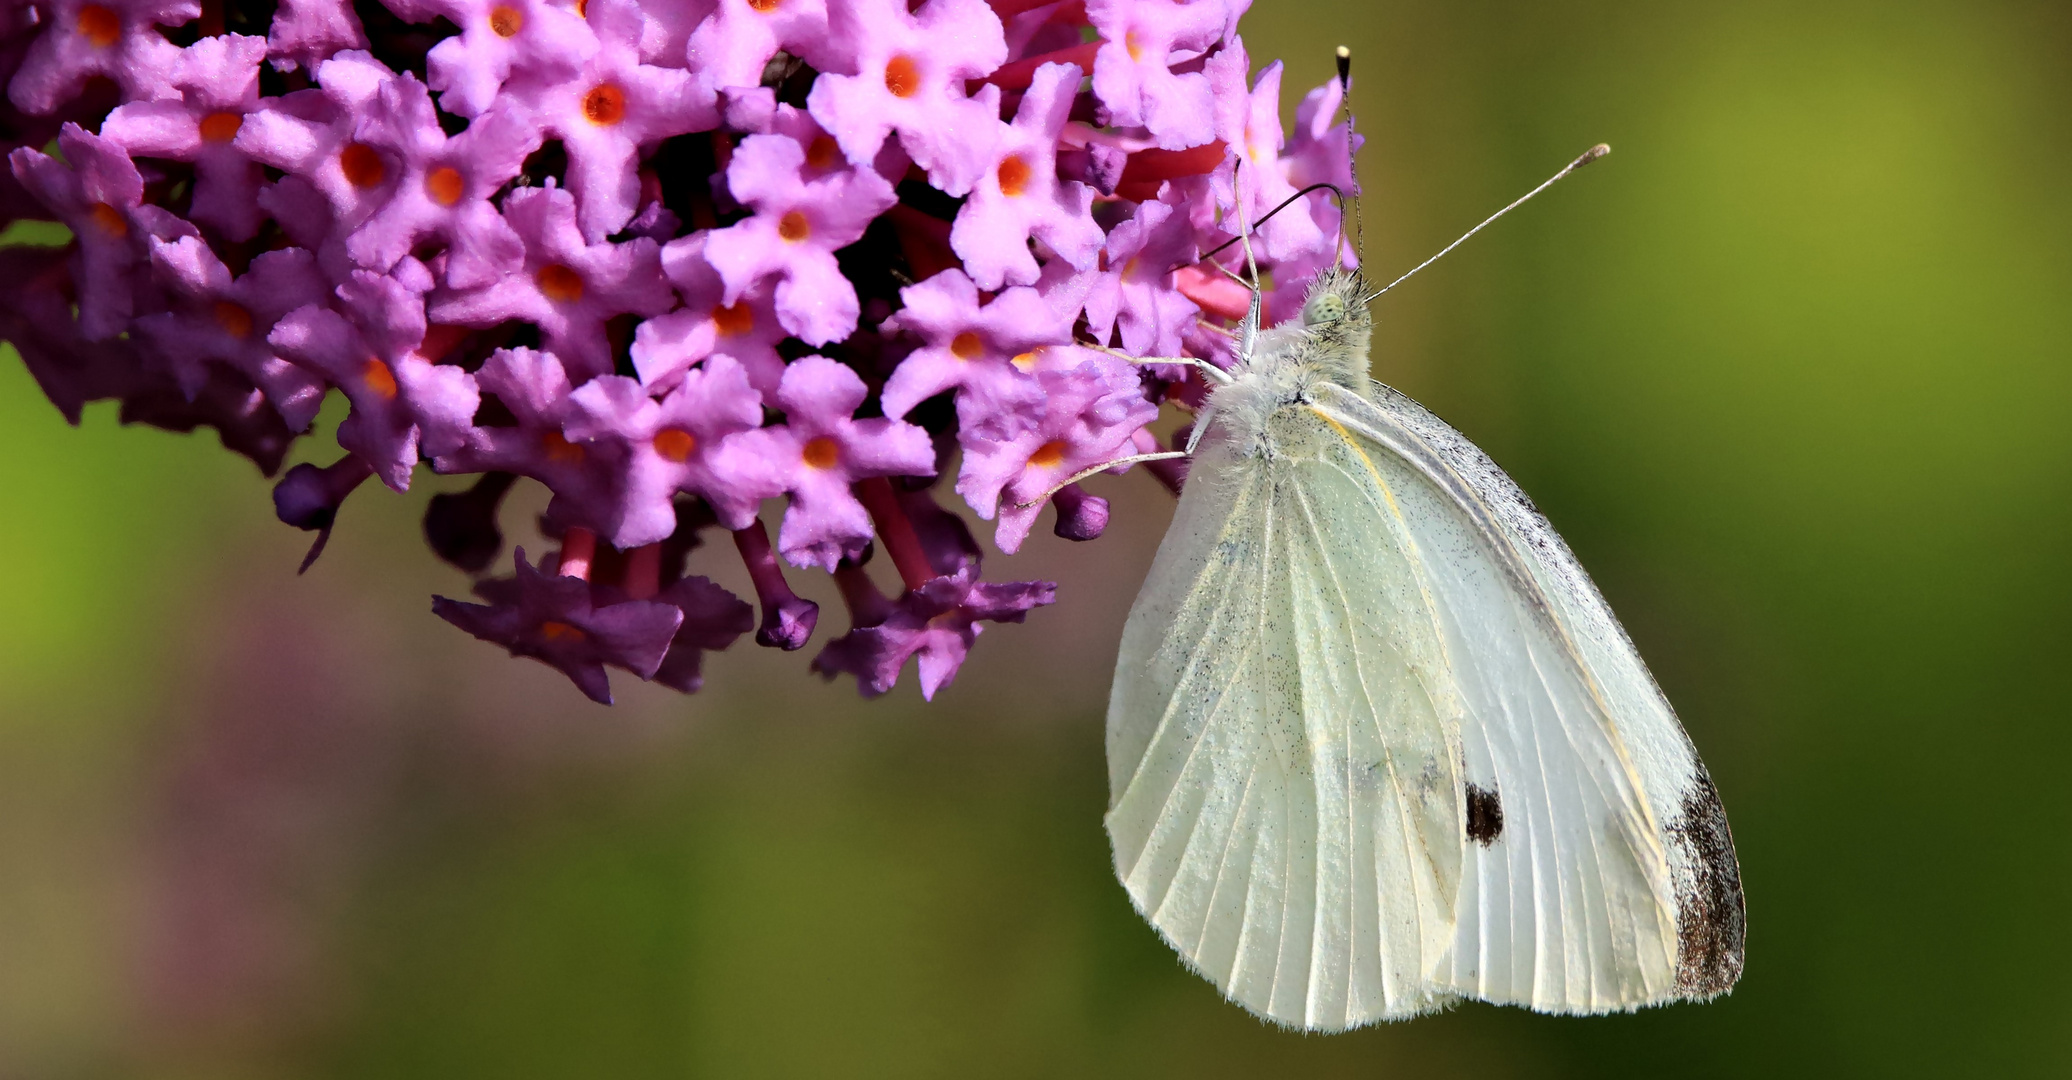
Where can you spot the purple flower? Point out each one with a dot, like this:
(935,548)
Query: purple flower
(935,625)
(566,287)
(401,401)
(712,619)
(505,237)
(315,135)
(1136,293)
(670,445)
(798,225)
(306,31)
(499,39)
(746,329)
(443,185)
(1019,196)
(556,621)
(909,74)
(732,47)
(85,38)
(817,453)
(612,107)
(1251,124)
(1133,76)
(534,390)
(219,82)
(985,352)
(1090,415)
(228,320)
(100,198)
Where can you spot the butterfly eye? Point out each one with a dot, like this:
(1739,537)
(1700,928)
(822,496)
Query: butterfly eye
(1322,308)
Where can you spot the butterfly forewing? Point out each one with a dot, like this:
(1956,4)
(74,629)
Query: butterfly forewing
(1611,882)
(1286,796)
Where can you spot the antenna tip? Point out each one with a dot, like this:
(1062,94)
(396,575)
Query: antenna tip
(1345,65)
(1592,154)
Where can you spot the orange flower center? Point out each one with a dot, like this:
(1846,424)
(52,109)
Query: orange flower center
(675,444)
(1027,361)
(793,227)
(967,346)
(821,153)
(1048,455)
(108,219)
(604,105)
(444,185)
(234,319)
(763,5)
(560,450)
(1014,175)
(506,21)
(561,632)
(734,320)
(361,165)
(822,452)
(99,26)
(221,127)
(902,77)
(1129,41)
(559,283)
(379,379)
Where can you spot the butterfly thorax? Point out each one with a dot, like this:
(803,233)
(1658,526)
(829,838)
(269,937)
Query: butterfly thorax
(1288,364)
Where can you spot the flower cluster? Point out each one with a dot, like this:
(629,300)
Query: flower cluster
(668,258)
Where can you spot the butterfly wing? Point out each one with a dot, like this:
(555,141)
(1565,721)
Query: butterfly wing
(1285,789)
(1599,873)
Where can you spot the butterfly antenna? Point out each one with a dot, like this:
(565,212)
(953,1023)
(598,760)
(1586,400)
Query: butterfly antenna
(1345,98)
(1589,156)
(1237,187)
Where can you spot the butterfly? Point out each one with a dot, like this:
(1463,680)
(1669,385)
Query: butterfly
(1376,743)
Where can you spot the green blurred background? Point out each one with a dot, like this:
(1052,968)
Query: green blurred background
(1790,370)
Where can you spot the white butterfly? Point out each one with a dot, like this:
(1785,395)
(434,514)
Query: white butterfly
(1375,741)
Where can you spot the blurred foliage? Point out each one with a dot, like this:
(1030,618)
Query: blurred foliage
(1789,370)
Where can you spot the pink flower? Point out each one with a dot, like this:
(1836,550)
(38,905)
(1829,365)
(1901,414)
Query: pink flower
(817,453)
(797,227)
(219,83)
(1020,196)
(909,75)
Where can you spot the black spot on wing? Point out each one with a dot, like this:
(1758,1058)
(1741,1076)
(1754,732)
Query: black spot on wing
(1485,815)
(1711,920)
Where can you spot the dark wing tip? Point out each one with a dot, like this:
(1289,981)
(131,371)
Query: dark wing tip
(1711,918)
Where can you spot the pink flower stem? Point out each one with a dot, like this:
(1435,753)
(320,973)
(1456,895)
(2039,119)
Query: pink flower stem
(578,551)
(643,572)
(787,620)
(896,531)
